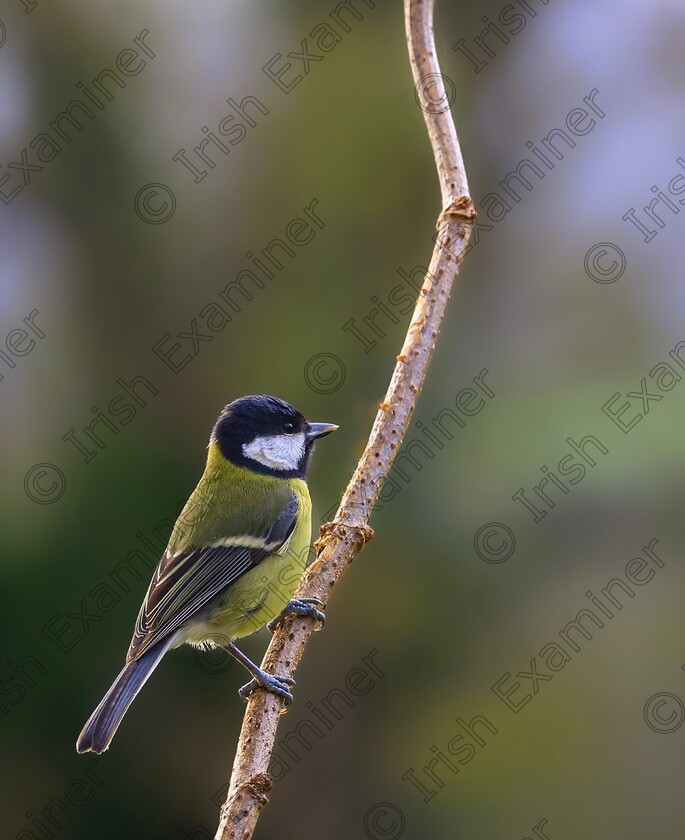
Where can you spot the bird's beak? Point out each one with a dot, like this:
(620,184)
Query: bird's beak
(317,430)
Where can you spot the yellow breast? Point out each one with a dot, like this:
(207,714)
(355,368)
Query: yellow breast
(263,592)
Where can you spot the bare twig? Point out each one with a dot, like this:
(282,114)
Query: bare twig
(342,539)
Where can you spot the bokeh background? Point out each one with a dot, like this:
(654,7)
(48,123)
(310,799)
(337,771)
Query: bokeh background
(591,752)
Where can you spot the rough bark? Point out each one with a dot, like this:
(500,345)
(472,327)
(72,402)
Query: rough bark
(343,538)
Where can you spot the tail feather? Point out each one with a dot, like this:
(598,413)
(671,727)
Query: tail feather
(99,730)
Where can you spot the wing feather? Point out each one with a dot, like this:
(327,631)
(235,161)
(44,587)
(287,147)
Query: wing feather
(186,581)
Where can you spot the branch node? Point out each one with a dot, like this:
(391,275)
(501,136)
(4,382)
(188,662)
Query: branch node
(463,207)
(361,534)
(255,789)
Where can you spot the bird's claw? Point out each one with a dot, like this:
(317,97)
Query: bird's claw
(302,607)
(271,682)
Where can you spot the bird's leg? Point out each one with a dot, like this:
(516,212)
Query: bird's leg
(303,607)
(260,679)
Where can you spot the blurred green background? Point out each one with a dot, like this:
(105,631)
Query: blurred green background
(445,624)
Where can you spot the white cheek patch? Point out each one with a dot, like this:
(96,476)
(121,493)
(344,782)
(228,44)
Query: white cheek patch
(278,452)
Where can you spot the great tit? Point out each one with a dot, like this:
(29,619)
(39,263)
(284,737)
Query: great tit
(235,556)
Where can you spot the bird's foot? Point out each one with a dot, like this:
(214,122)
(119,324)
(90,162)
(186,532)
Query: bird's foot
(271,682)
(303,607)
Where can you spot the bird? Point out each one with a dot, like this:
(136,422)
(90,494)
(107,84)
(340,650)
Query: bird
(235,556)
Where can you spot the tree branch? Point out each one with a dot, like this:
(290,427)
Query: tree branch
(342,539)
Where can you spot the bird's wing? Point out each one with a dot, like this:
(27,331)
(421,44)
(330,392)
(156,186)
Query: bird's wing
(186,581)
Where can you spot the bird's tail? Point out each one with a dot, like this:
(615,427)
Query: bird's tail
(99,730)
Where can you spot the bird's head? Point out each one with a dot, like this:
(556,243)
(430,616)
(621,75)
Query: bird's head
(267,435)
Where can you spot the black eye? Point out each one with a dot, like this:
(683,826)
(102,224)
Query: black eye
(288,428)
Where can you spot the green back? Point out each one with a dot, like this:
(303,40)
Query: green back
(230,501)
